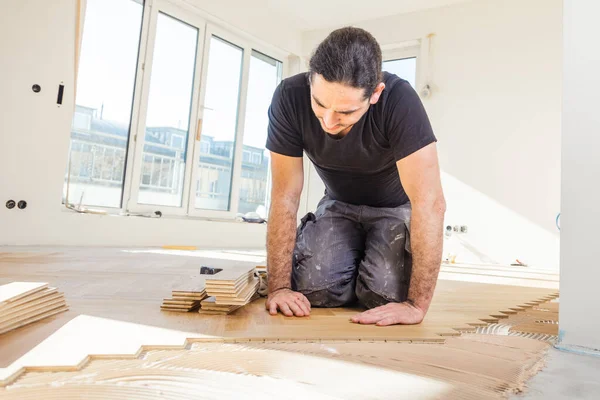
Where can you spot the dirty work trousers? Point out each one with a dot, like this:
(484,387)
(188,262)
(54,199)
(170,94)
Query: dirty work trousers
(346,253)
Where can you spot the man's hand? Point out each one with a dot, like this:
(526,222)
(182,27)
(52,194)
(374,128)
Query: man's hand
(390,314)
(289,302)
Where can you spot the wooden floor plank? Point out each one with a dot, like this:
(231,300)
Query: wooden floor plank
(466,368)
(114,285)
(17,290)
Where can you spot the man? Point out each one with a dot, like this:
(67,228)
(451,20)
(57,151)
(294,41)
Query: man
(376,236)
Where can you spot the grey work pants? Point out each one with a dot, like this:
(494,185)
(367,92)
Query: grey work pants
(346,253)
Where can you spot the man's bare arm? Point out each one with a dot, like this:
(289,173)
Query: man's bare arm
(421,180)
(420,176)
(287,182)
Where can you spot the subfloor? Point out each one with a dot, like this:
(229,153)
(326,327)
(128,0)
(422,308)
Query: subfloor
(565,376)
(114,297)
(472,367)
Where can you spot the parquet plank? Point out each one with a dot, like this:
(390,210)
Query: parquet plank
(117,287)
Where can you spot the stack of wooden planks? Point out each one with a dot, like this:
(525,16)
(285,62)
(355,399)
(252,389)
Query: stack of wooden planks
(210,307)
(229,290)
(221,293)
(184,300)
(22,303)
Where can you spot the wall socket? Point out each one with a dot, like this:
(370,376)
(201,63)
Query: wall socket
(460,228)
(10,204)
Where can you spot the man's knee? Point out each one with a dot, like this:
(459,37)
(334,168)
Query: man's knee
(325,284)
(336,295)
(374,290)
(367,297)
(329,246)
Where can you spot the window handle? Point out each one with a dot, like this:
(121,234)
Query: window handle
(199,130)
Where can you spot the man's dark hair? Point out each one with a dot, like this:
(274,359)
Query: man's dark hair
(350,56)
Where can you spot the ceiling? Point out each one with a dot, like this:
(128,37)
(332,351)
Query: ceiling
(319,14)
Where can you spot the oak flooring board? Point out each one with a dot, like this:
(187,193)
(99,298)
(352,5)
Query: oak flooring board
(17,290)
(243,298)
(31,300)
(229,276)
(239,287)
(179,306)
(533,327)
(33,308)
(27,299)
(29,310)
(215,283)
(498,280)
(90,279)
(506,273)
(469,370)
(212,312)
(34,318)
(184,298)
(210,304)
(178,293)
(177,301)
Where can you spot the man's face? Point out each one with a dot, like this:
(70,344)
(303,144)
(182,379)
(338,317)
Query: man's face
(339,106)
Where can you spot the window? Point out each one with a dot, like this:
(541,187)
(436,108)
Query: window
(177,142)
(169,103)
(265,75)
(405,68)
(105,84)
(220,118)
(204,147)
(246,156)
(403,60)
(82,118)
(171,113)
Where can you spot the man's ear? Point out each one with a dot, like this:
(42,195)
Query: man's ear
(378,90)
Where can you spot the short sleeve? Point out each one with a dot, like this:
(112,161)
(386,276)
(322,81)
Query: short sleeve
(407,124)
(284,136)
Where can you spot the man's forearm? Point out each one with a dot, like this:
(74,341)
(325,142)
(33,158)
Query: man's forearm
(426,235)
(281,238)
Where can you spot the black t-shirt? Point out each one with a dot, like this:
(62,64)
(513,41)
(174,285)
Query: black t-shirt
(359,168)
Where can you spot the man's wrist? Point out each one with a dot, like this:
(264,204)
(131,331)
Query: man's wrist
(278,288)
(415,304)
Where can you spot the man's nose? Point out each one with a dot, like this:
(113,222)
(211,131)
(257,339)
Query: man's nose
(329,119)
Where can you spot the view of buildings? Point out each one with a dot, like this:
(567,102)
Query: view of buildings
(98,157)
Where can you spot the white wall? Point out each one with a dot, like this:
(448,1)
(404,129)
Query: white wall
(580,252)
(37,43)
(258,19)
(496,111)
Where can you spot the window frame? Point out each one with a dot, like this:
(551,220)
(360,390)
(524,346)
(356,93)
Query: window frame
(247,45)
(134,174)
(129,149)
(206,25)
(403,51)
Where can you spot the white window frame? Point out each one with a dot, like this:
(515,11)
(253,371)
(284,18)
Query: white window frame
(402,51)
(137,95)
(135,176)
(249,155)
(205,23)
(247,45)
(172,141)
